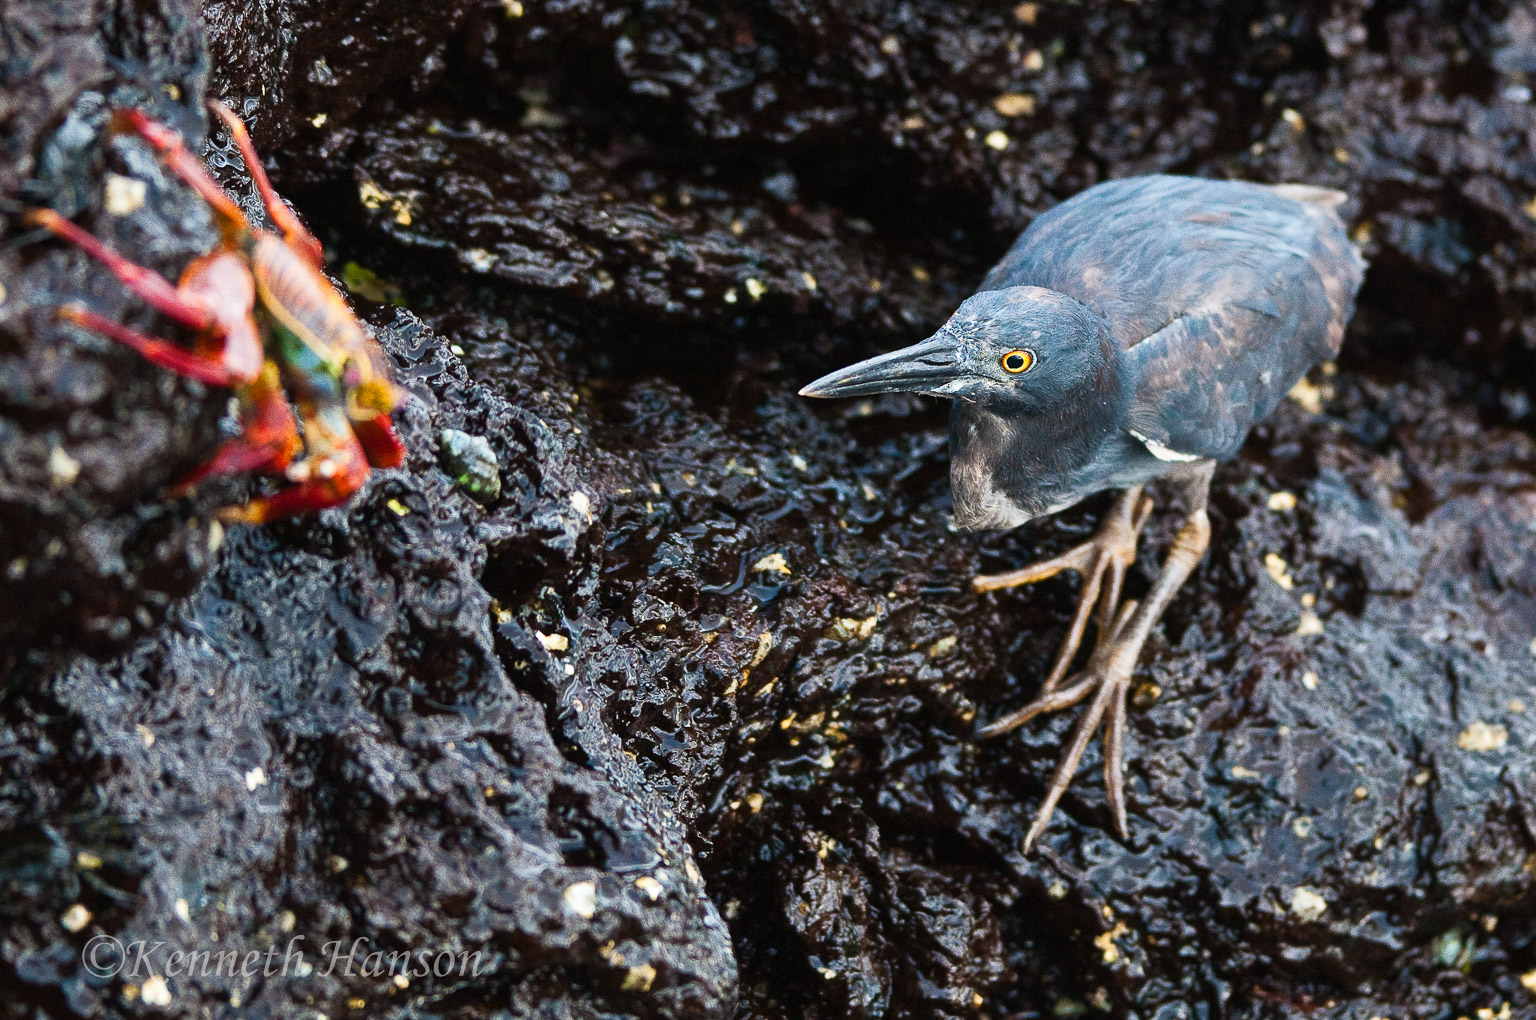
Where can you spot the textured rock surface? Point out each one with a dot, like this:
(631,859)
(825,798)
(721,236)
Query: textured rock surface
(680,725)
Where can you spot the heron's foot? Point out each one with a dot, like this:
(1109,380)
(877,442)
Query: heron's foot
(1102,561)
(1106,679)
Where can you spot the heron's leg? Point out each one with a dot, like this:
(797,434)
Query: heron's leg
(1105,557)
(1108,674)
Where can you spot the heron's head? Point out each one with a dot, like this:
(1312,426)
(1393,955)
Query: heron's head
(1020,345)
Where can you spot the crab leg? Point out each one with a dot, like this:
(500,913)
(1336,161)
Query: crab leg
(269,438)
(160,352)
(147,284)
(334,468)
(292,230)
(186,166)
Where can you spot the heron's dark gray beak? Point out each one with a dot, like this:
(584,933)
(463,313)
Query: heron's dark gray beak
(921,368)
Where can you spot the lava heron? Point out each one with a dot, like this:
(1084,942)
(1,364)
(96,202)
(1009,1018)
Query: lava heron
(1135,331)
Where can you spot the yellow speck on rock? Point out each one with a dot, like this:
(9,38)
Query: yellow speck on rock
(1310,625)
(774,562)
(1481,736)
(997,140)
(1282,501)
(1309,395)
(755,289)
(1307,905)
(155,991)
(124,195)
(581,898)
(1279,571)
(1106,942)
(1014,104)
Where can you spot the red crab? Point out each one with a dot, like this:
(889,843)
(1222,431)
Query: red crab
(264,317)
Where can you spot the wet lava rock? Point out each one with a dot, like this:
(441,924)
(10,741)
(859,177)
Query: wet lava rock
(678,722)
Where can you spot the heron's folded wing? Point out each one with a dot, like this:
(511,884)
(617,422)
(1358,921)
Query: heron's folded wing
(1205,379)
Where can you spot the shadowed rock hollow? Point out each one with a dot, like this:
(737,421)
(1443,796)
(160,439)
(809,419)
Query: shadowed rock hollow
(679,725)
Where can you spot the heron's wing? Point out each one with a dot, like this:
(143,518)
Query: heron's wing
(1145,251)
(1205,379)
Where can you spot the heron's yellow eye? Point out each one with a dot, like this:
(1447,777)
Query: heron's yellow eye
(1015,362)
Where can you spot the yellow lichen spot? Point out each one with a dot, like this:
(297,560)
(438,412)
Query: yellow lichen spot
(1282,501)
(371,194)
(1034,60)
(1279,571)
(1361,793)
(480,260)
(1311,624)
(75,918)
(581,898)
(155,991)
(1242,772)
(1027,13)
(62,469)
(172,90)
(87,861)
(774,562)
(1517,706)
(582,504)
(1528,979)
(730,296)
(1307,905)
(1014,104)
(920,274)
(124,195)
(754,802)
(357,1002)
(649,886)
(848,628)
(554,642)
(513,8)
(997,140)
(255,778)
(1106,942)
(809,281)
(1294,119)
(943,646)
(755,289)
(1530,208)
(1308,395)
(1309,680)
(398,507)
(638,978)
(318,120)
(1341,154)
(764,646)
(890,45)
(1302,827)
(1480,736)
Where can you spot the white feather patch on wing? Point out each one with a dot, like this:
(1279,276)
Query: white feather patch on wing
(1162,452)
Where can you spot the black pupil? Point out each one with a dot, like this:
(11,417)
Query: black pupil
(1015,362)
